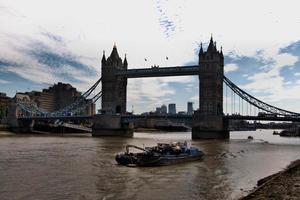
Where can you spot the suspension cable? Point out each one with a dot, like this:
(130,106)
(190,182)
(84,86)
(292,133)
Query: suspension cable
(256,102)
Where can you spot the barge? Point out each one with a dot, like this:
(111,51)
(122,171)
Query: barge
(161,154)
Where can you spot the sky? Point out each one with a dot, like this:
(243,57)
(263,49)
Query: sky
(50,41)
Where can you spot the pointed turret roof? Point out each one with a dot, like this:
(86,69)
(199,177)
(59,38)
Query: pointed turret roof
(215,47)
(103,60)
(211,46)
(114,54)
(221,52)
(103,57)
(201,49)
(125,61)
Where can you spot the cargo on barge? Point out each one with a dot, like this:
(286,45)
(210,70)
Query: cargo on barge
(161,154)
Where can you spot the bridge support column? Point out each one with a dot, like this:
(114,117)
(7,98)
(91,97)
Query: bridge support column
(12,119)
(111,125)
(18,125)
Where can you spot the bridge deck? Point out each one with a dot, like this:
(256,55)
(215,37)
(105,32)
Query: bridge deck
(76,127)
(260,118)
(42,118)
(230,117)
(160,71)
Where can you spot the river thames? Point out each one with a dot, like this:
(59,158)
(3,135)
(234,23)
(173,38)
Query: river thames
(82,167)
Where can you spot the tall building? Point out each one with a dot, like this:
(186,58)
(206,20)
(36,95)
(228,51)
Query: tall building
(44,100)
(158,110)
(58,97)
(190,108)
(164,109)
(172,108)
(4,103)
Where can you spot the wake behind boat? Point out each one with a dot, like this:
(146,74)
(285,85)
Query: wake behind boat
(161,154)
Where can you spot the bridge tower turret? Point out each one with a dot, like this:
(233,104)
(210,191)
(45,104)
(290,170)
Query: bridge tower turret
(114,89)
(208,120)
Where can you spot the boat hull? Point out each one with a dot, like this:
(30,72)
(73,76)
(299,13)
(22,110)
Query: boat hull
(155,160)
(171,161)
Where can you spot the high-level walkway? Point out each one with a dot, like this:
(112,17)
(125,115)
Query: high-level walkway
(159,72)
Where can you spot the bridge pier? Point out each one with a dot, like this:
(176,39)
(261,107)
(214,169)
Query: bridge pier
(209,127)
(26,125)
(111,125)
(209,134)
(17,125)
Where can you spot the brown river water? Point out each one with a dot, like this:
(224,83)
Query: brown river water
(82,167)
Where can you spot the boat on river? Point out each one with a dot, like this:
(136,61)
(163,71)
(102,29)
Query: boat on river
(161,154)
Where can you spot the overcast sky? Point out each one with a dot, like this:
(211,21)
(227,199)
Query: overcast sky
(44,42)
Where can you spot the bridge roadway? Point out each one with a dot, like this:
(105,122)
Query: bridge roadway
(160,71)
(263,118)
(55,117)
(132,117)
(90,117)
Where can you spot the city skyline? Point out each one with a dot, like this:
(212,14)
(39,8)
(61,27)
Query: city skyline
(40,49)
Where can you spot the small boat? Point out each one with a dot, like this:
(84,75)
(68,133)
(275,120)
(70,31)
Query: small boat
(161,154)
(275,133)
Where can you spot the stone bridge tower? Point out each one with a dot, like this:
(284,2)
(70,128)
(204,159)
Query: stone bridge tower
(114,89)
(208,120)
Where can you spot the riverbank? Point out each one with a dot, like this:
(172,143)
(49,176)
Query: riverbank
(282,185)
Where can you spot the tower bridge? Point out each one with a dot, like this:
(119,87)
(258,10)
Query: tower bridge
(209,121)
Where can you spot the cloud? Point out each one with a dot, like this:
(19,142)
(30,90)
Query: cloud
(53,37)
(273,82)
(4,81)
(271,75)
(169,19)
(231,67)
(148,93)
(4,63)
(297,74)
(195,98)
(53,58)
(293,48)
(42,62)
(262,80)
